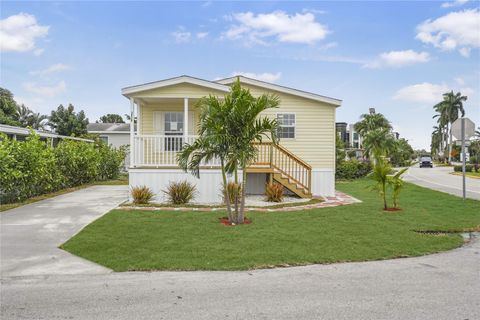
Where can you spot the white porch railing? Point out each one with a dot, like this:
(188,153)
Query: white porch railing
(161,150)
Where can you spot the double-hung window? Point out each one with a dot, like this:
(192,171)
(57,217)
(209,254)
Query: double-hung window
(286,125)
(173,130)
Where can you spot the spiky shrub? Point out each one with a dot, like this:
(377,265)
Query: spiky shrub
(274,192)
(141,195)
(234,191)
(180,192)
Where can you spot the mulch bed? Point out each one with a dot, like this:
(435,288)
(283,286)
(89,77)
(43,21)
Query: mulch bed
(225,222)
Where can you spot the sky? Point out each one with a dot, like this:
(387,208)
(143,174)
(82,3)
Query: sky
(398,57)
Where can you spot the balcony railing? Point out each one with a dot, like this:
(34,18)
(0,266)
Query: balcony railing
(161,150)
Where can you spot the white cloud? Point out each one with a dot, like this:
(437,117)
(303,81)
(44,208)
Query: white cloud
(182,36)
(201,35)
(398,59)
(423,93)
(19,33)
(427,93)
(455,30)
(45,90)
(316,11)
(297,28)
(455,3)
(268,77)
(52,69)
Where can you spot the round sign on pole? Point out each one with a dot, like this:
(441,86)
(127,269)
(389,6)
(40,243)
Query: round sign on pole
(457,128)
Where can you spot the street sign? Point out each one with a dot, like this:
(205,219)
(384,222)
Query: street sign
(457,128)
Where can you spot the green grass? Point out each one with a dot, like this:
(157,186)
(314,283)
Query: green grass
(122,180)
(158,240)
(468,174)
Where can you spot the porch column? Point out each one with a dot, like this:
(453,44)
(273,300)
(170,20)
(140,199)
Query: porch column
(132,132)
(139,124)
(185,119)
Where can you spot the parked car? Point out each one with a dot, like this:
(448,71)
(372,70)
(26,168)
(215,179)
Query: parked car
(426,162)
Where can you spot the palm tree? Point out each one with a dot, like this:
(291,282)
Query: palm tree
(378,143)
(448,111)
(246,126)
(227,130)
(380,173)
(370,122)
(214,142)
(23,113)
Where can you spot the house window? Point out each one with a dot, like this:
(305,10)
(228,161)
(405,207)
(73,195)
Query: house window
(104,139)
(286,125)
(174,128)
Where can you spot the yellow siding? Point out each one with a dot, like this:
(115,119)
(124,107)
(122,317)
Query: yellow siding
(314,130)
(147,111)
(178,91)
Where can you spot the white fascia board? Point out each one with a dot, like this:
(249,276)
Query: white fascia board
(283,89)
(173,81)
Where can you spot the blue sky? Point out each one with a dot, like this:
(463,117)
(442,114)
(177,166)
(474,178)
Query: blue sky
(398,57)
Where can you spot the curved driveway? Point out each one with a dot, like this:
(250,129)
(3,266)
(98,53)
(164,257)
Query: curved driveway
(439,178)
(440,286)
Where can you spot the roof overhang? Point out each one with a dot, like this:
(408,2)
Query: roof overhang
(283,89)
(127,91)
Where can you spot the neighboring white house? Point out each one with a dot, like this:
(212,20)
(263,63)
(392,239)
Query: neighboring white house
(114,134)
(20,133)
(167,114)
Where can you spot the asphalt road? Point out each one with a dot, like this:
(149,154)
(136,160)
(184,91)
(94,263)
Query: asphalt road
(440,286)
(439,178)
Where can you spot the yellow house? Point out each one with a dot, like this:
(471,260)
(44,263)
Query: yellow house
(167,117)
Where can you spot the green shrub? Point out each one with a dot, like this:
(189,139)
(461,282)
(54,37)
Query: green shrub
(468,168)
(111,161)
(352,169)
(77,161)
(274,192)
(141,195)
(474,159)
(180,192)
(27,169)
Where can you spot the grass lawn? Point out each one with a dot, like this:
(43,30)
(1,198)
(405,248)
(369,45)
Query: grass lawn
(122,180)
(468,174)
(159,240)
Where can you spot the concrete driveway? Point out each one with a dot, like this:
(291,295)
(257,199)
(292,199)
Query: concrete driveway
(30,235)
(439,178)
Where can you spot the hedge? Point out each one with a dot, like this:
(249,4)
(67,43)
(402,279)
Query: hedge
(468,168)
(33,167)
(352,169)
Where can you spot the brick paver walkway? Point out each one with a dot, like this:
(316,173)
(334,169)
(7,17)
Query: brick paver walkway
(340,199)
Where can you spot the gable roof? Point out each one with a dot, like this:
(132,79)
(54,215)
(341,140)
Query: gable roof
(109,127)
(173,81)
(283,89)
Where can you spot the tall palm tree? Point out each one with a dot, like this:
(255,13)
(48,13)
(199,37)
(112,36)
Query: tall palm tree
(37,121)
(448,110)
(370,122)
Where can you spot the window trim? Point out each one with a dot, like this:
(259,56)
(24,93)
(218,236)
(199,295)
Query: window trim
(104,136)
(294,126)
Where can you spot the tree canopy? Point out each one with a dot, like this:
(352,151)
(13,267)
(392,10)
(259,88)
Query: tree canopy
(111,118)
(66,121)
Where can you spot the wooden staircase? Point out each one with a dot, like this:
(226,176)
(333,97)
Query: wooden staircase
(284,167)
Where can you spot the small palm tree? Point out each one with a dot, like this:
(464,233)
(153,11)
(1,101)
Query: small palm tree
(396,182)
(380,173)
